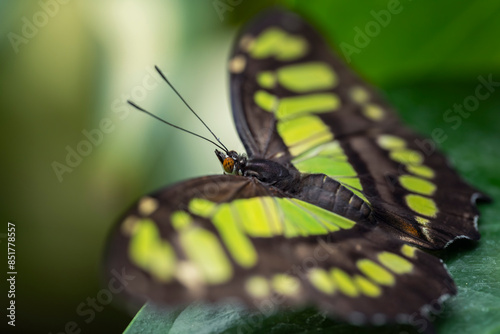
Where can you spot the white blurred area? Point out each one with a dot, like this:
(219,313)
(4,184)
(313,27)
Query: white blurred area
(97,54)
(107,49)
(191,48)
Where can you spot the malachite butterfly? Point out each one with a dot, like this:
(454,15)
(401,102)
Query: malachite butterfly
(332,207)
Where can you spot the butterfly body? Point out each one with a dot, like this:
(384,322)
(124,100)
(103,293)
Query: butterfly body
(313,188)
(327,208)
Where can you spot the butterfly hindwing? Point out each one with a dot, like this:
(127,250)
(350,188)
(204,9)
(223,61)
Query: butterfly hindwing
(227,236)
(216,231)
(369,276)
(294,102)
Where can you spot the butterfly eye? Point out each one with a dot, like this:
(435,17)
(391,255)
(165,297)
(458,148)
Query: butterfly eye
(228,165)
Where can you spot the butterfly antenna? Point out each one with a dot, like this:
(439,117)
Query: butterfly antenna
(187,105)
(175,126)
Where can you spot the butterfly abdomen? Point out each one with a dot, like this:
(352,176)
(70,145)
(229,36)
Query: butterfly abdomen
(317,189)
(333,196)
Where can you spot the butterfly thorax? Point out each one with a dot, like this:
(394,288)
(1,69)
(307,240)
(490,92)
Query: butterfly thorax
(266,171)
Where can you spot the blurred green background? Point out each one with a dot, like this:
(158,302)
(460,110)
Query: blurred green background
(68,66)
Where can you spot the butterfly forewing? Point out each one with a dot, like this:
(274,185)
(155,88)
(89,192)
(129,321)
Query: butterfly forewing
(295,102)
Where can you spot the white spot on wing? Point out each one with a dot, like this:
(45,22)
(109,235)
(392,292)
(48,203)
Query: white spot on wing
(190,276)
(237,64)
(147,205)
(426,233)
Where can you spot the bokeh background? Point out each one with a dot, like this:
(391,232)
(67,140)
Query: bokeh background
(68,66)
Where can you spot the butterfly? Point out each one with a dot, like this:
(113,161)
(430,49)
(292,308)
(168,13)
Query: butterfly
(332,205)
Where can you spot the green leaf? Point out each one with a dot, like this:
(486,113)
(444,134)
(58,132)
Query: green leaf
(196,318)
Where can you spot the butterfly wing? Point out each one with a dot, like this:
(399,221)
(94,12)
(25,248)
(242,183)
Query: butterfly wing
(229,236)
(296,103)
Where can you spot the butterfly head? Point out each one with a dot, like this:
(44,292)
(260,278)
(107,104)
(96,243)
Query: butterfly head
(232,162)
